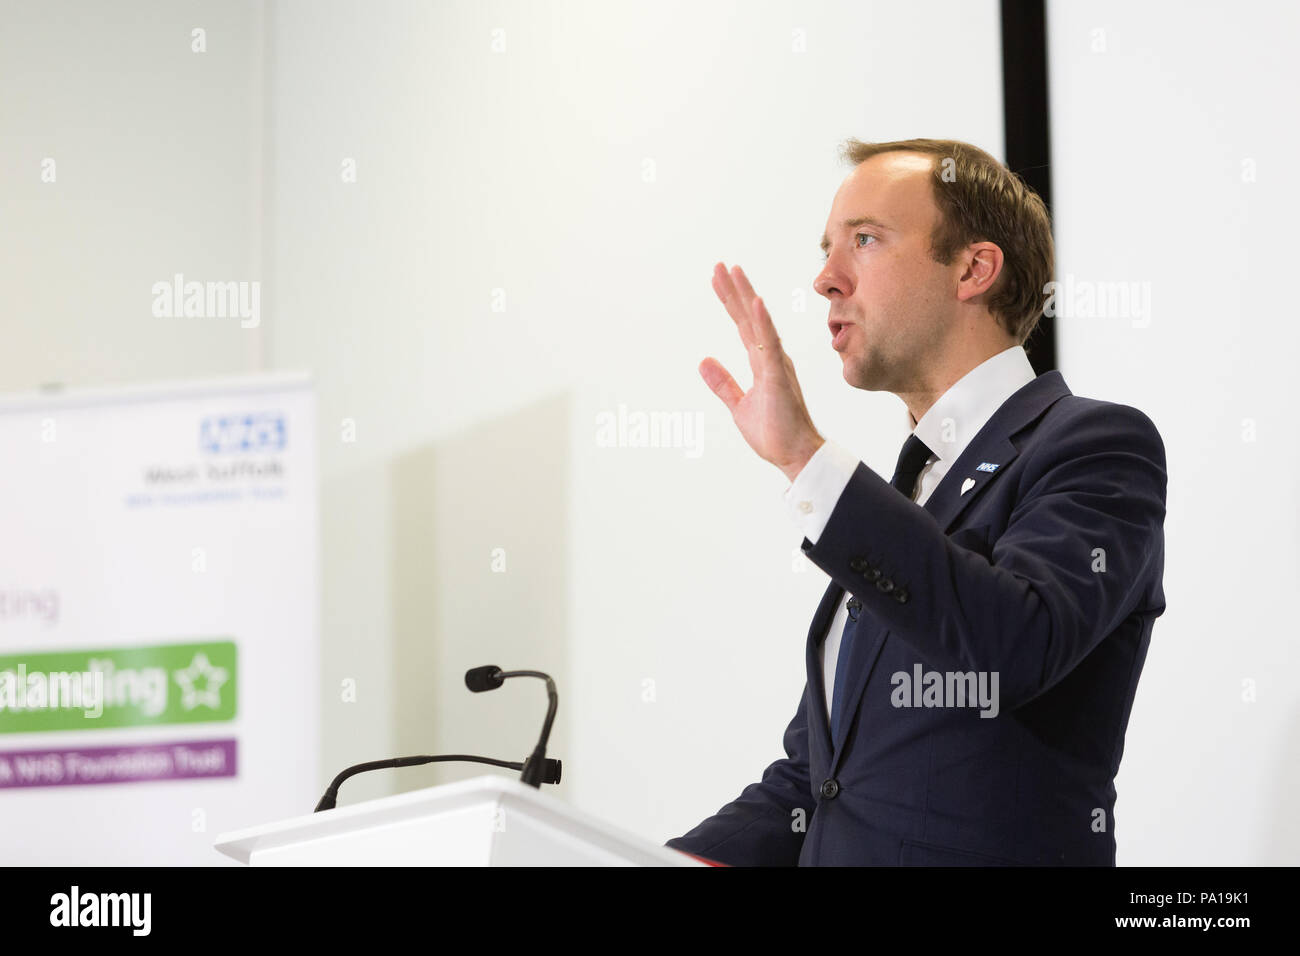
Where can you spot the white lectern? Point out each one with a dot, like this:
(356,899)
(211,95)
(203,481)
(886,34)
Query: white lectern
(486,821)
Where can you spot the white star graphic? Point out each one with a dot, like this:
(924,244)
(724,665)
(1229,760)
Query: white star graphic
(214,677)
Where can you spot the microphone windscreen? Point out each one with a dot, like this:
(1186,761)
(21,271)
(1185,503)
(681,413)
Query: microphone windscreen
(480,679)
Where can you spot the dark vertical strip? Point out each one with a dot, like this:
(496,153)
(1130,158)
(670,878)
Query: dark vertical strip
(1028,132)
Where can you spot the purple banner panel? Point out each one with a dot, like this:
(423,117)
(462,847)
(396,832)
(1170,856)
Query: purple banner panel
(182,760)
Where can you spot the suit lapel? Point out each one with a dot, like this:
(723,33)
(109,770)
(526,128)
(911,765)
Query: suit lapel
(867,642)
(816,676)
(948,500)
(992,446)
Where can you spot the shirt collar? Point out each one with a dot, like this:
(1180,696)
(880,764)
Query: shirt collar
(959,414)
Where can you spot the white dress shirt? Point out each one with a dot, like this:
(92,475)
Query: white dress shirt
(947,428)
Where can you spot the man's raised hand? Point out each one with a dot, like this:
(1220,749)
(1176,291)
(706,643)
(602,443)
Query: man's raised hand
(771,416)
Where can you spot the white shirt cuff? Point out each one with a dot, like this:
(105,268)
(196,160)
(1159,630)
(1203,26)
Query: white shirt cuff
(816,489)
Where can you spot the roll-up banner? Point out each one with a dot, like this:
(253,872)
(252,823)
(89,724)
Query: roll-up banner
(159,633)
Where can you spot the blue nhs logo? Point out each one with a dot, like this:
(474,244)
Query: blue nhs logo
(228,434)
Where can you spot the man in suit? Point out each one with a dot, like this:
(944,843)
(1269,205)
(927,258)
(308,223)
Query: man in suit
(973,663)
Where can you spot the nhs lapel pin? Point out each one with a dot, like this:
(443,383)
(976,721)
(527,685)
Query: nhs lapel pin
(967,485)
(986,466)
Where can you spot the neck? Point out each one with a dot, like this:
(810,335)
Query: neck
(936,380)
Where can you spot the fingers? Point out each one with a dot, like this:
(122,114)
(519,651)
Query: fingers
(763,328)
(741,282)
(745,308)
(721,382)
(730,297)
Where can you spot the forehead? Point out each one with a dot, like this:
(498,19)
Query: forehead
(894,188)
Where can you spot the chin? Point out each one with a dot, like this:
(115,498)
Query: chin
(860,377)
(853,375)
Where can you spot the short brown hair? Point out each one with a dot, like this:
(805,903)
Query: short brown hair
(980,200)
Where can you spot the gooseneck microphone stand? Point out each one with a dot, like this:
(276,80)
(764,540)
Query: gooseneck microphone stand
(535,771)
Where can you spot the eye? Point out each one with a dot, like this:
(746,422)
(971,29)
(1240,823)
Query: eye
(860,235)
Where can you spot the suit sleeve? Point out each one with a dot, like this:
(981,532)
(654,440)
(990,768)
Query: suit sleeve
(761,827)
(1081,548)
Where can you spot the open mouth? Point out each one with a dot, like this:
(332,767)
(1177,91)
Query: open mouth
(839,333)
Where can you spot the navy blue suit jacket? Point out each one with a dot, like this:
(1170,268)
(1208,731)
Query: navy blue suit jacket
(1046,571)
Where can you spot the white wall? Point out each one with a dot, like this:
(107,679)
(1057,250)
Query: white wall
(586,177)
(1157,121)
(157,163)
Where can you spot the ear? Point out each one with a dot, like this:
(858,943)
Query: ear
(982,264)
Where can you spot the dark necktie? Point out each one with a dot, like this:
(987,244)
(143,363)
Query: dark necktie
(910,462)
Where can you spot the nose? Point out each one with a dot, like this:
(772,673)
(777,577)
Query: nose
(832,279)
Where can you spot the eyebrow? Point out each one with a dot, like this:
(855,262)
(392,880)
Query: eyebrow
(853,224)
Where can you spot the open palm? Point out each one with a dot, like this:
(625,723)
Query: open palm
(772,415)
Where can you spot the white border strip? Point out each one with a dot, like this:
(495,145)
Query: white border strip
(56,397)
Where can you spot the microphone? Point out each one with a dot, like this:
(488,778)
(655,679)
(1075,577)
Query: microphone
(479,679)
(535,771)
(854,606)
